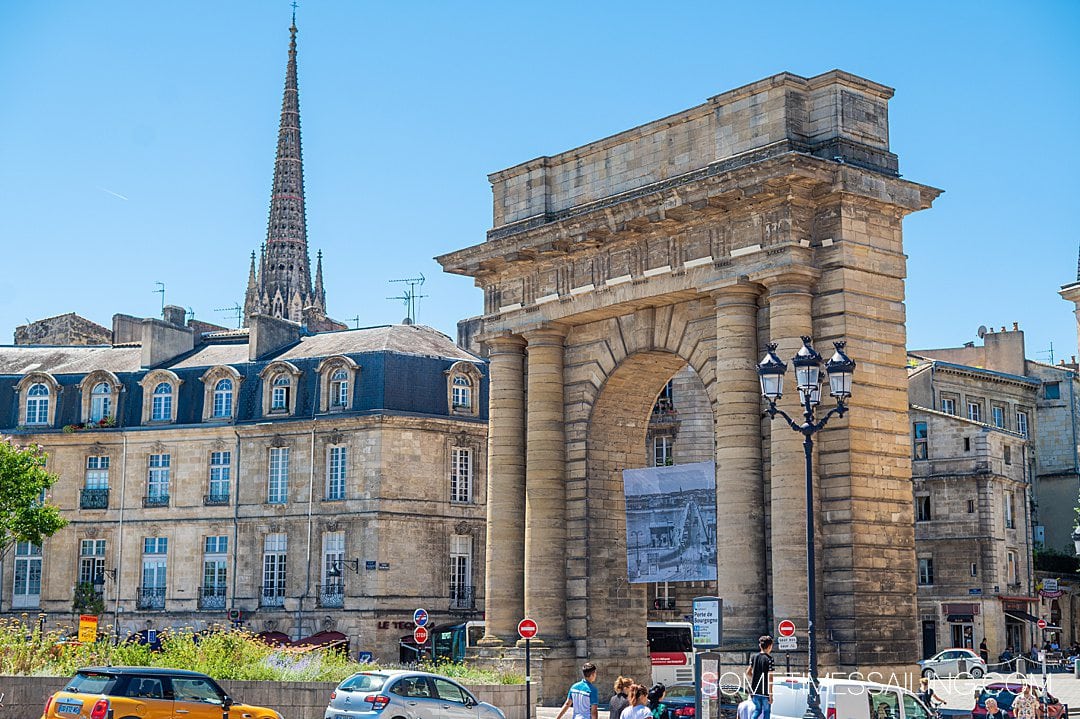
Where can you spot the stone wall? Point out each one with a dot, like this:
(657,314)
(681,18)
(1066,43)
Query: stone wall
(24,697)
(66,329)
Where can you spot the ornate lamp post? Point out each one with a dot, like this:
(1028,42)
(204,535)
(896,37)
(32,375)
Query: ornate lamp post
(840,369)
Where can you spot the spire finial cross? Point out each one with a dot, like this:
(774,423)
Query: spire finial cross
(294,13)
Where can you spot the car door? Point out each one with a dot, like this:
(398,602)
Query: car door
(913,708)
(147,696)
(416,697)
(195,698)
(454,701)
(947,665)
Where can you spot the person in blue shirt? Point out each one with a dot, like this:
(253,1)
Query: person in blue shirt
(583,697)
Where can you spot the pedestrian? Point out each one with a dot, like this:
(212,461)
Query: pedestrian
(927,695)
(760,675)
(618,700)
(639,706)
(745,708)
(583,697)
(1025,706)
(992,711)
(656,697)
(984,652)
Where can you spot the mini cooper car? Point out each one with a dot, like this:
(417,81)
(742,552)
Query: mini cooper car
(146,693)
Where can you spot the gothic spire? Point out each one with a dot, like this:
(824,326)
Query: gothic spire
(288,221)
(320,294)
(252,284)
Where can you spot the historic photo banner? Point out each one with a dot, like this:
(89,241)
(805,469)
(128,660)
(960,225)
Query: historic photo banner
(671,523)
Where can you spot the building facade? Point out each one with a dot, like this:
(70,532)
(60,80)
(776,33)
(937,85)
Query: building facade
(310,481)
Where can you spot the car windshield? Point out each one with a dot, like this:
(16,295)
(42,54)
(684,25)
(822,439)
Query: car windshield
(363,683)
(91,683)
(679,692)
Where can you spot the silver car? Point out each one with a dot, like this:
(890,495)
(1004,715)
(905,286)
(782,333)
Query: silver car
(399,694)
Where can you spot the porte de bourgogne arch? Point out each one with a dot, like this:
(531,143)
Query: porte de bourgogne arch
(768,212)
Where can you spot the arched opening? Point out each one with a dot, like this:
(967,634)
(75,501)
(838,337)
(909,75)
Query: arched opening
(653,409)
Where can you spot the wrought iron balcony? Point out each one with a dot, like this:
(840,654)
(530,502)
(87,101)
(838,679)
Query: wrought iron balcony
(331,595)
(156,500)
(94,499)
(150,598)
(462,598)
(215,499)
(272,597)
(212,597)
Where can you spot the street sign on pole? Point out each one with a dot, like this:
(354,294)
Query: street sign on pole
(708,622)
(420,617)
(1042,624)
(420,636)
(786,628)
(527,628)
(786,643)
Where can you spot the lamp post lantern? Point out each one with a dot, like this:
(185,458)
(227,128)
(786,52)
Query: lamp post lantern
(840,369)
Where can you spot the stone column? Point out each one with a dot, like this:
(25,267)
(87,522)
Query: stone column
(545,485)
(790,317)
(504,575)
(740,525)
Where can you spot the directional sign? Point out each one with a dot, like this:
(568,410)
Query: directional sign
(786,628)
(527,628)
(420,635)
(1042,624)
(787,644)
(420,617)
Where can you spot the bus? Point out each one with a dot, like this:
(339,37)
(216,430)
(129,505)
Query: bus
(671,651)
(448,643)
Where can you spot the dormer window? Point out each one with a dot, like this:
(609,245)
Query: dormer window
(338,378)
(339,389)
(100,401)
(161,410)
(463,386)
(37,404)
(223,399)
(279,399)
(462,392)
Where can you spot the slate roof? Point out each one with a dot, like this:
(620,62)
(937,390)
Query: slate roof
(20,359)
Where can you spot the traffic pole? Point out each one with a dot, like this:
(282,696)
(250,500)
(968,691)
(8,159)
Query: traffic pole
(528,681)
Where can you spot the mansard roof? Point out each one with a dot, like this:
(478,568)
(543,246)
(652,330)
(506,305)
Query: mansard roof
(20,359)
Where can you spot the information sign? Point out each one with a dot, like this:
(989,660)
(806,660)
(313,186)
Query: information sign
(708,622)
(88,624)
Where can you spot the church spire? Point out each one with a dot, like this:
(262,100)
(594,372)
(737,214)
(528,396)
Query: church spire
(320,293)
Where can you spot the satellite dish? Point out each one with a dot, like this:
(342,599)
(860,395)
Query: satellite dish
(982,331)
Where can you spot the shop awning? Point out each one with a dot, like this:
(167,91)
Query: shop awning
(328,639)
(960,618)
(1022,616)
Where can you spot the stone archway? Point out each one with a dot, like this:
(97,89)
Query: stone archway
(769,212)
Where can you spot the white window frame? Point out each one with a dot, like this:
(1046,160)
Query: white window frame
(948,405)
(461,392)
(215,572)
(1010,519)
(91,560)
(337,471)
(277,485)
(223,398)
(460,563)
(280,389)
(155,563)
(159,475)
(220,474)
(1012,566)
(663,450)
(461,475)
(339,389)
(926,572)
(275,564)
(1022,422)
(161,407)
(333,556)
(975,411)
(100,401)
(97,472)
(997,415)
(38,397)
(923,501)
(27,575)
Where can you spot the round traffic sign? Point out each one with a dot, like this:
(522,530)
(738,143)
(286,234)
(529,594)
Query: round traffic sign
(1042,624)
(420,617)
(786,628)
(527,628)
(420,635)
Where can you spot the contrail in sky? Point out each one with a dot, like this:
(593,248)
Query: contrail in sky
(114,194)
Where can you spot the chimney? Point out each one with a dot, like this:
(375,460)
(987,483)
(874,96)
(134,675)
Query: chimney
(268,334)
(163,341)
(174,315)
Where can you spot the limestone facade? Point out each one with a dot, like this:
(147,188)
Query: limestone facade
(770,211)
(65,329)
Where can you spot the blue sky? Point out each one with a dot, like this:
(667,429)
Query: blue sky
(138,139)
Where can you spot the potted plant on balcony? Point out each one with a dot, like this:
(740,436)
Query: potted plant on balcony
(87,600)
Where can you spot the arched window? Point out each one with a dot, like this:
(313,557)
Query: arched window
(339,388)
(161,410)
(279,398)
(37,404)
(100,401)
(223,398)
(462,395)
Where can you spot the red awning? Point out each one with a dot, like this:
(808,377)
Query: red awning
(274,639)
(1007,598)
(322,639)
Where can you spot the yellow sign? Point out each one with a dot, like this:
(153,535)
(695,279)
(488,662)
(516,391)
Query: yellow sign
(88,628)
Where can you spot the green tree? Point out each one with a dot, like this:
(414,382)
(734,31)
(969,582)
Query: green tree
(24,516)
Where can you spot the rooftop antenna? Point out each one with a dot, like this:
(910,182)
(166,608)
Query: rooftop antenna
(410,297)
(161,289)
(355,321)
(1048,353)
(190,315)
(236,309)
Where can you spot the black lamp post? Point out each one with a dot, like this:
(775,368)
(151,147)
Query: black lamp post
(771,371)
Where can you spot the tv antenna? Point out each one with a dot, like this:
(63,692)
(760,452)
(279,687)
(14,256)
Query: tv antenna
(236,309)
(355,321)
(410,297)
(161,289)
(1048,353)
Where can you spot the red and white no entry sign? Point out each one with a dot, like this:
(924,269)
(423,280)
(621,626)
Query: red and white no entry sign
(527,628)
(786,628)
(1042,624)
(420,635)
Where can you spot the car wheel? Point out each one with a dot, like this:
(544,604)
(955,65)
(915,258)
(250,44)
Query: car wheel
(976,673)
(929,673)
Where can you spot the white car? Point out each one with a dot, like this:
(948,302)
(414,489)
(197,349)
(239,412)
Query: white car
(954,662)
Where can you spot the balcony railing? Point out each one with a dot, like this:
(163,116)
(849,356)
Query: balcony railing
(212,597)
(156,500)
(150,598)
(272,597)
(94,499)
(215,499)
(462,598)
(331,595)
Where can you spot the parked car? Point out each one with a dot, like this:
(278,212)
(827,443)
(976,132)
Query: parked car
(846,698)
(407,694)
(1006,692)
(953,662)
(147,693)
(679,701)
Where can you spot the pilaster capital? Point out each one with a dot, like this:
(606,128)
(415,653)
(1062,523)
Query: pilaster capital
(788,280)
(735,291)
(504,343)
(547,334)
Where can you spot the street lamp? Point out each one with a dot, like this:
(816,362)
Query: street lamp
(840,369)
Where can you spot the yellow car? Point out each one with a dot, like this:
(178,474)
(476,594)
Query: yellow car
(146,693)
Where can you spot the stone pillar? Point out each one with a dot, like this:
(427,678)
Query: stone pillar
(789,298)
(545,485)
(740,525)
(504,575)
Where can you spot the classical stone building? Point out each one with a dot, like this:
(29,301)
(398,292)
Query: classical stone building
(973,462)
(311,481)
(65,329)
(768,212)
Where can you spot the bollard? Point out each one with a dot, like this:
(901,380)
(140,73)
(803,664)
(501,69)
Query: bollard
(1076,668)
